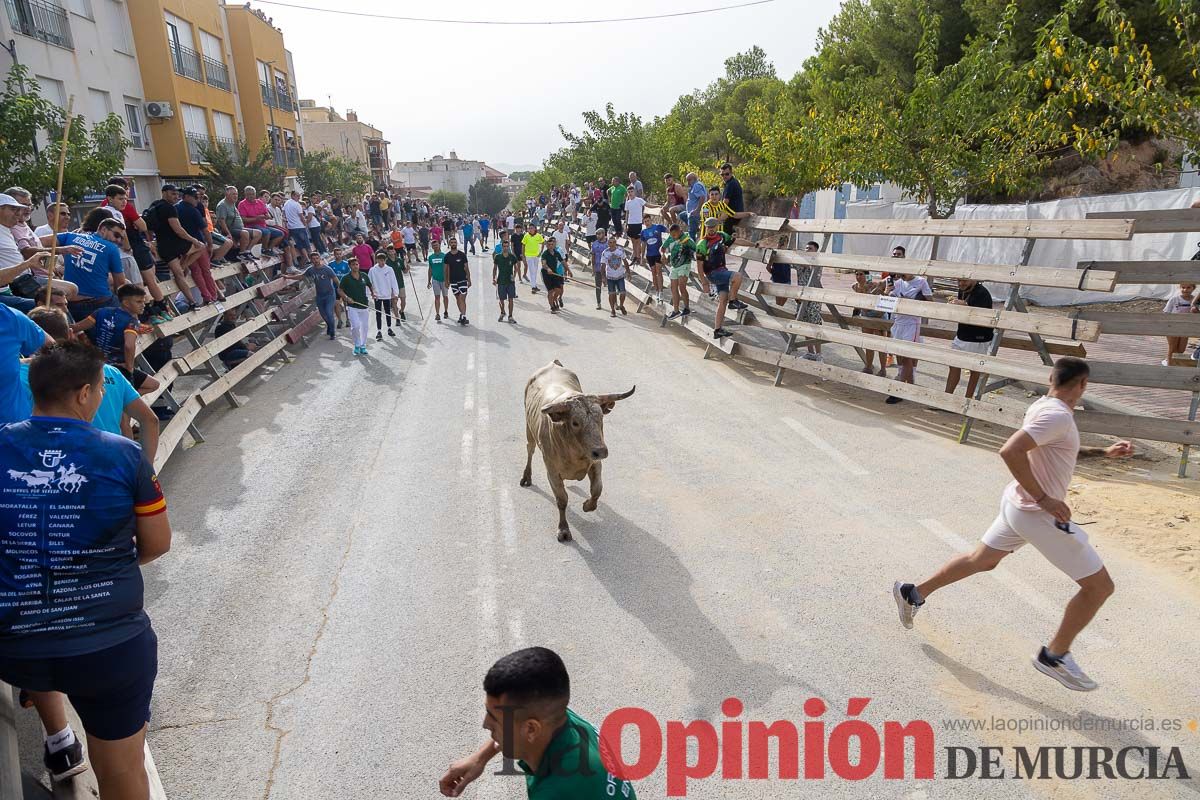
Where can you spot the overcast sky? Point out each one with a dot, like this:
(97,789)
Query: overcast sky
(498,93)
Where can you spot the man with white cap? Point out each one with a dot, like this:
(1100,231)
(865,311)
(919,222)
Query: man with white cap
(13,262)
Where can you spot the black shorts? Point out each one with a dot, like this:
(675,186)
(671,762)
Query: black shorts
(652,260)
(633,229)
(172,251)
(137,377)
(552,280)
(781,273)
(410,245)
(142,255)
(459,287)
(110,689)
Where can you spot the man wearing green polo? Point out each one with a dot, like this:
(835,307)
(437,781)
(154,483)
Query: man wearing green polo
(437,281)
(528,720)
(616,202)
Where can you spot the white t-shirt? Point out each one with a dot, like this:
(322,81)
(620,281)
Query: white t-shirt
(314,220)
(590,223)
(917,287)
(634,208)
(1178,305)
(10,254)
(574,195)
(293,213)
(614,264)
(1050,423)
(410,236)
(510,221)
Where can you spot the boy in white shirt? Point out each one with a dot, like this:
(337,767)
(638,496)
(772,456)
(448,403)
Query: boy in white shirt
(386,291)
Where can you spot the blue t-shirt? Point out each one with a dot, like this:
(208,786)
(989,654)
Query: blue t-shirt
(118,393)
(109,332)
(89,271)
(598,248)
(19,336)
(696,197)
(70,496)
(325,279)
(483,226)
(467,229)
(192,219)
(652,236)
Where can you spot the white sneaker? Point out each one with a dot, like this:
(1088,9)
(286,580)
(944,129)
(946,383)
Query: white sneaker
(1066,671)
(907,610)
(1166,363)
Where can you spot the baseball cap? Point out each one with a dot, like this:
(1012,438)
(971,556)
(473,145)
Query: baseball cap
(190,190)
(170,187)
(9,200)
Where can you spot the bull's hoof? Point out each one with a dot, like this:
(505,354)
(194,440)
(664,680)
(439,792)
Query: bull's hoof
(564,535)
(590,504)
(526,480)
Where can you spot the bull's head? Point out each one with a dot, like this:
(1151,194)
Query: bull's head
(582,418)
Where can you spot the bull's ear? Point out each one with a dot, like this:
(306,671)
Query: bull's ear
(609,401)
(557,412)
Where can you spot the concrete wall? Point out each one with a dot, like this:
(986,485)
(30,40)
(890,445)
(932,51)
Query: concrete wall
(452,175)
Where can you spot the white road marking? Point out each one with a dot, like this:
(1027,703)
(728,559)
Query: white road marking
(470,361)
(847,463)
(1014,584)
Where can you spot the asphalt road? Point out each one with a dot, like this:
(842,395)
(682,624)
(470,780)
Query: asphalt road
(352,551)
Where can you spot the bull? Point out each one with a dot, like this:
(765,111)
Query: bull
(568,426)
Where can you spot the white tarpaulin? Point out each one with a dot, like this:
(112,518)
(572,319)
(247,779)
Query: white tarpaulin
(1046,252)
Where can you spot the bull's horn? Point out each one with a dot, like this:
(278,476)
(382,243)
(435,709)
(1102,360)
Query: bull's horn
(612,398)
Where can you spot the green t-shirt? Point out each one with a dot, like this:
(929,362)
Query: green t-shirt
(355,289)
(437,266)
(533,244)
(680,251)
(616,196)
(572,769)
(504,268)
(397,268)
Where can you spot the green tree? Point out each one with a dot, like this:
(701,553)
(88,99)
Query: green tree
(93,155)
(486,198)
(325,171)
(223,166)
(455,201)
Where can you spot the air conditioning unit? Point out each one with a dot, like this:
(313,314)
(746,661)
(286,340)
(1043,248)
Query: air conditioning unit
(159,110)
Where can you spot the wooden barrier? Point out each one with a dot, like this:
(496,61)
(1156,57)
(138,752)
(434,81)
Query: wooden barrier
(1016,328)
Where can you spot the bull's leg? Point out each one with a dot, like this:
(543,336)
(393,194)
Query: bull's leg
(597,480)
(530,446)
(560,495)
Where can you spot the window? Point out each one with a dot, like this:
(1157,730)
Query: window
(81,7)
(211,46)
(195,120)
(52,90)
(45,21)
(223,125)
(133,124)
(215,71)
(123,37)
(99,105)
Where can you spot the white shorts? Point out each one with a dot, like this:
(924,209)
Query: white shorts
(1070,552)
(907,329)
(971,347)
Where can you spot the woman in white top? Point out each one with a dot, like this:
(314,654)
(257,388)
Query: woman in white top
(907,327)
(1183,302)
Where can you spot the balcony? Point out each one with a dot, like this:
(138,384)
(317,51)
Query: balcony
(195,142)
(216,74)
(186,62)
(46,22)
(268,95)
(287,157)
(283,101)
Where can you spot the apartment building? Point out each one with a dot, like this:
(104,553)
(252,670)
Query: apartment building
(85,49)
(451,174)
(322,128)
(267,96)
(183,51)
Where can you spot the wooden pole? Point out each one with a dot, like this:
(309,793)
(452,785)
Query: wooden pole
(62,165)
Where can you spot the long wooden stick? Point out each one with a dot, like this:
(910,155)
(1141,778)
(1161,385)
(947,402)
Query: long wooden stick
(62,165)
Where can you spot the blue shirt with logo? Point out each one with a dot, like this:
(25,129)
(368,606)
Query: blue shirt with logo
(19,336)
(652,236)
(325,279)
(109,332)
(70,495)
(90,270)
(340,268)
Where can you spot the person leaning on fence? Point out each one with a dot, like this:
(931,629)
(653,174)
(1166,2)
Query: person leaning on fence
(906,327)
(115,329)
(862,285)
(970,338)
(715,276)
(809,311)
(85,632)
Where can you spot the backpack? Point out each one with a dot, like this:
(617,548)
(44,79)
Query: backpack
(714,256)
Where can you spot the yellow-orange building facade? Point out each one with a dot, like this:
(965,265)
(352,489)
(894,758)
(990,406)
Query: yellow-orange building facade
(183,53)
(223,73)
(267,93)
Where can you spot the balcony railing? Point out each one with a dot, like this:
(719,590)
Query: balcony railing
(195,143)
(283,101)
(41,20)
(268,96)
(229,144)
(287,156)
(186,62)
(216,74)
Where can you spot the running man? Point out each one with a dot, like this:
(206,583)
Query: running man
(561,755)
(504,265)
(554,266)
(410,241)
(437,281)
(533,242)
(458,270)
(651,239)
(681,251)
(354,290)
(715,276)
(614,260)
(599,245)
(1041,457)
(385,291)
